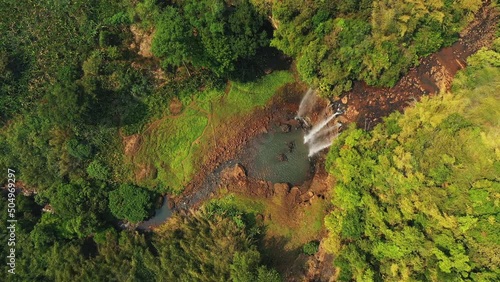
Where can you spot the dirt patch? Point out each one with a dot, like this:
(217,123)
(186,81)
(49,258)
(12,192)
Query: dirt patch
(367,105)
(175,106)
(145,171)
(131,144)
(142,41)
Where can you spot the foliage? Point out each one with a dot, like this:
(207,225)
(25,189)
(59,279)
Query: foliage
(415,198)
(71,87)
(212,33)
(173,40)
(311,248)
(130,202)
(187,246)
(97,170)
(371,40)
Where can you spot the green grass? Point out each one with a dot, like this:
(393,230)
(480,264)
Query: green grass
(175,145)
(242,203)
(208,97)
(244,97)
(168,148)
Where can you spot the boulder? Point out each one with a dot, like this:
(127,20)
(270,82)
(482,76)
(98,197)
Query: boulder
(294,195)
(282,158)
(281,189)
(285,128)
(239,171)
(236,172)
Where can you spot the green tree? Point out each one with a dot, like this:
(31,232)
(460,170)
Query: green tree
(173,40)
(311,248)
(337,42)
(130,202)
(211,33)
(186,246)
(97,170)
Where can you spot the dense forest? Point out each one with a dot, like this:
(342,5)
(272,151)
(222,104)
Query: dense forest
(416,198)
(336,42)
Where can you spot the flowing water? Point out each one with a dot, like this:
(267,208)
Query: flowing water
(322,134)
(318,127)
(321,144)
(307,103)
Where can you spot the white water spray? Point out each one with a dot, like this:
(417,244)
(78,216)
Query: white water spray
(322,134)
(307,103)
(327,130)
(316,147)
(318,127)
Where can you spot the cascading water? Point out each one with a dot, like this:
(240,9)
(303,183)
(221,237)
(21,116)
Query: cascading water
(328,130)
(323,132)
(318,146)
(317,128)
(307,103)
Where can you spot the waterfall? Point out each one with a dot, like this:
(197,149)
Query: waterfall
(320,145)
(327,130)
(320,136)
(307,103)
(318,127)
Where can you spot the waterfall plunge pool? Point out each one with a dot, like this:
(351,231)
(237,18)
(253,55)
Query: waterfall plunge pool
(278,157)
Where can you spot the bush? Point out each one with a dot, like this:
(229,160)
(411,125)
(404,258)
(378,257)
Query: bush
(78,150)
(97,170)
(130,202)
(311,248)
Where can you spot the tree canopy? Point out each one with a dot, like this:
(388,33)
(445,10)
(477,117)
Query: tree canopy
(130,202)
(214,34)
(336,42)
(415,198)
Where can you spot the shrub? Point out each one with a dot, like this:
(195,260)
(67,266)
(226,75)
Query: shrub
(311,248)
(78,150)
(130,202)
(97,170)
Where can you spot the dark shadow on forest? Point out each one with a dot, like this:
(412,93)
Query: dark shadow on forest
(276,255)
(265,61)
(117,109)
